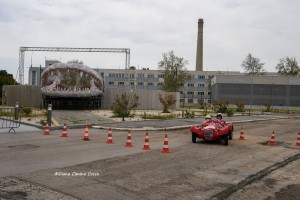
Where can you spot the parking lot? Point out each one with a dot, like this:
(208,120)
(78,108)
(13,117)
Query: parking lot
(34,166)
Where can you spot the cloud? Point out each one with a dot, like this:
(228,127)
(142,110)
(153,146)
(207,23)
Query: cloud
(232,29)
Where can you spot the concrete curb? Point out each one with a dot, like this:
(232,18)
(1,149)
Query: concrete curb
(75,126)
(177,127)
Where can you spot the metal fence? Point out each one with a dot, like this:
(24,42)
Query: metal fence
(10,118)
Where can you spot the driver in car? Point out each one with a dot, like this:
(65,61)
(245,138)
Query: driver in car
(220,120)
(207,119)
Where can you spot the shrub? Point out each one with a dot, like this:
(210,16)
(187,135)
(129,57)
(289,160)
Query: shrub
(220,105)
(162,117)
(240,106)
(268,106)
(167,102)
(123,105)
(189,114)
(230,112)
(27,111)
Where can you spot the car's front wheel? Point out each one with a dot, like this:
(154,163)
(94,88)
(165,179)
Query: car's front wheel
(194,137)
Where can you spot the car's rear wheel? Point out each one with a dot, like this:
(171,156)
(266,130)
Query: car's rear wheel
(194,137)
(225,138)
(230,135)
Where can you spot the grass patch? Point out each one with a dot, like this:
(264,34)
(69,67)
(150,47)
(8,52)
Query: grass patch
(162,117)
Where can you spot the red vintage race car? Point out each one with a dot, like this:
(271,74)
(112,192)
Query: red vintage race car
(212,130)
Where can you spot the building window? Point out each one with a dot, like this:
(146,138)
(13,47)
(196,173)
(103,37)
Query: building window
(201,77)
(190,100)
(102,74)
(121,83)
(131,83)
(201,93)
(208,93)
(189,92)
(141,75)
(150,75)
(33,77)
(159,84)
(210,77)
(160,76)
(140,83)
(201,85)
(110,83)
(150,84)
(131,75)
(190,84)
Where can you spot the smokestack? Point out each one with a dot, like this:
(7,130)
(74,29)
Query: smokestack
(199,55)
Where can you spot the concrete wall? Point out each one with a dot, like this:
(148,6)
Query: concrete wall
(148,99)
(26,95)
(30,96)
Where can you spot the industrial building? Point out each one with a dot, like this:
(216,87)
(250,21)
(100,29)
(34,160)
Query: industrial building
(276,91)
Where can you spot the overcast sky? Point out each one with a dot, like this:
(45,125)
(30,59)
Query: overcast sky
(269,29)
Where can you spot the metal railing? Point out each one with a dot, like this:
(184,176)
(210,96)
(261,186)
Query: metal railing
(10,118)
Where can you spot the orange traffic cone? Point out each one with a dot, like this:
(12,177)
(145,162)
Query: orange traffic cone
(109,137)
(86,134)
(146,143)
(242,134)
(272,141)
(166,145)
(298,140)
(64,134)
(47,131)
(128,142)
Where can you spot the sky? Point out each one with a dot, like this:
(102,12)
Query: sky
(268,29)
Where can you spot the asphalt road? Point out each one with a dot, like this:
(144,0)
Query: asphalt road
(34,166)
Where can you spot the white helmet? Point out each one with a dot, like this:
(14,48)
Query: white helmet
(207,117)
(220,114)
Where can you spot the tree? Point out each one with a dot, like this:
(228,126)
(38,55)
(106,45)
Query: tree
(253,65)
(288,66)
(6,79)
(167,102)
(174,71)
(123,104)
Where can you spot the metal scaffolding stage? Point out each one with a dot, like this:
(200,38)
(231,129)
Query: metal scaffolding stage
(66,49)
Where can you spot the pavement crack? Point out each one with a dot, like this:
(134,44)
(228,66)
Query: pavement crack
(252,178)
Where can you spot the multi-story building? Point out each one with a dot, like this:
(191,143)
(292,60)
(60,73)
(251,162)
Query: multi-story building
(198,88)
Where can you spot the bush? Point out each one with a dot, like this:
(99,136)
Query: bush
(240,106)
(268,106)
(220,106)
(27,111)
(167,101)
(189,114)
(162,117)
(123,105)
(230,112)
